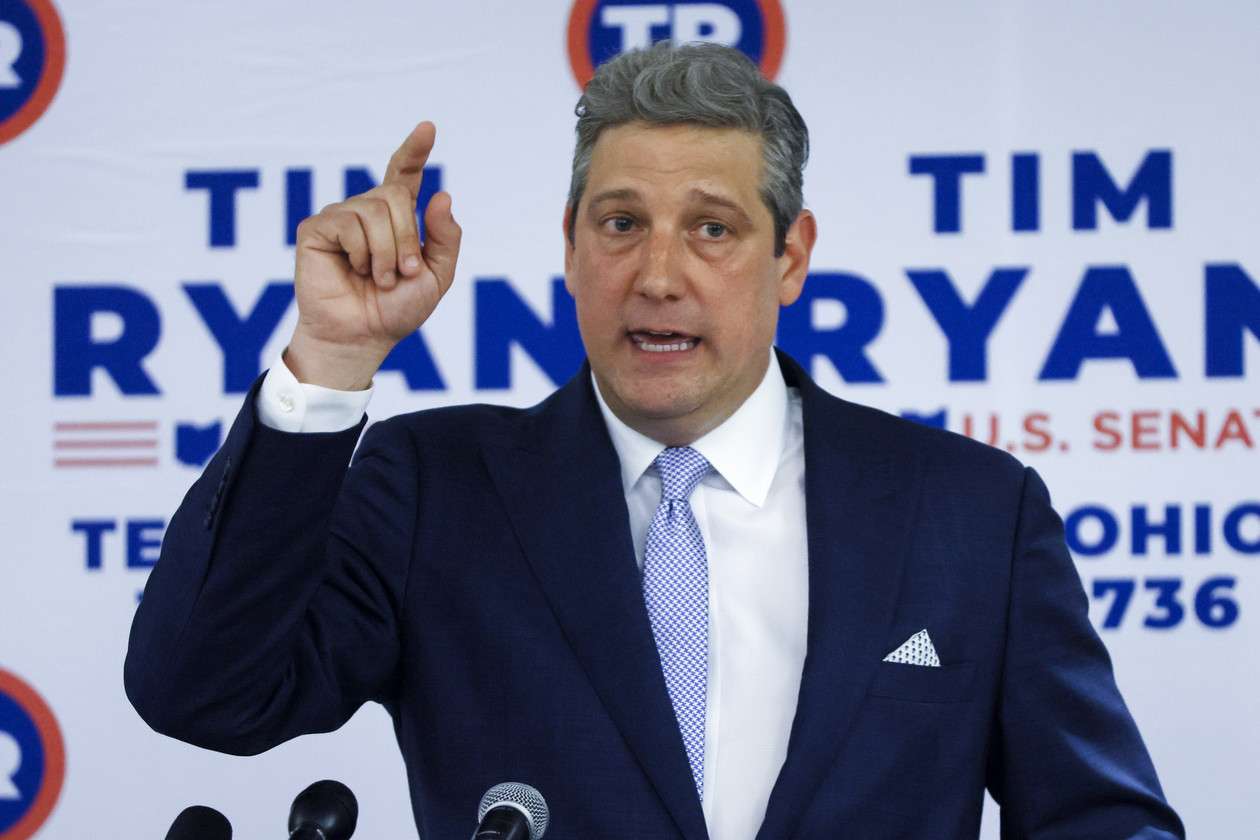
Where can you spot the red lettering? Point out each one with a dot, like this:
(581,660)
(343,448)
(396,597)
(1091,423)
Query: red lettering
(970,431)
(1102,422)
(1036,426)
(1145,435)
(1197,433)
(1233,429)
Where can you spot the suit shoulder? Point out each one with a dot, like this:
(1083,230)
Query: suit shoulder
(938,448)
(570,406)
(453,425)
(877,433)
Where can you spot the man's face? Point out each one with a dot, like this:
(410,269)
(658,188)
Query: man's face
(673,270)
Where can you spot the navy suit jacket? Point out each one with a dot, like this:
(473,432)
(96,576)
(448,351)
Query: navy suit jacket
(474,572)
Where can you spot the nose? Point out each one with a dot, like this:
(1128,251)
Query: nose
(661,275)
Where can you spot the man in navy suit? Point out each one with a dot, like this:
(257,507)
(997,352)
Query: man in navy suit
(890,619)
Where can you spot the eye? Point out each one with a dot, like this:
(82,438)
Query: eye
(713,230)
(620,224)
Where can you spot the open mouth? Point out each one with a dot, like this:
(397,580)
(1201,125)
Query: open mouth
(663,342)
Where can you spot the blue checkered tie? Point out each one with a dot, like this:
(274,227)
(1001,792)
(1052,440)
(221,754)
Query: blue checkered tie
(676,587)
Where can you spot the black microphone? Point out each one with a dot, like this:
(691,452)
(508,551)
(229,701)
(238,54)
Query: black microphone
(326,810)
(511,811)
(199,822)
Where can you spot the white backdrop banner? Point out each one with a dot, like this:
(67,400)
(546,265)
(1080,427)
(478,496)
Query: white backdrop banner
(1037,228)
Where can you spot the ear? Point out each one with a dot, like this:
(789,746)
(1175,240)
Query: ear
(568,249)
(794,264)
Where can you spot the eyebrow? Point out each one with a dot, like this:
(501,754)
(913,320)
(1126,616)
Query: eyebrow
(699,196)
(721,201)
(613,196)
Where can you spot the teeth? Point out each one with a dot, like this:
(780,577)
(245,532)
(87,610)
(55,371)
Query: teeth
(663,342)
(668,348)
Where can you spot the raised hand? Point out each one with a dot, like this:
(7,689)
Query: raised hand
(363,279)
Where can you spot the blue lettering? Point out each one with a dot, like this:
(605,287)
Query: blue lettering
(1091,183)
(937,420)
(946,172)
(298,201)
(93,531)
(144,539)
(1240,529)
(411,358)
(76,353)
(1202,529)
(1136,339)
(1231,306)
(1025,192)
(504,319)
(1169,529)
(241,341)
(844,346)
(222,186)
(967,328)
(1233,529)
(1106,540)
(359,180)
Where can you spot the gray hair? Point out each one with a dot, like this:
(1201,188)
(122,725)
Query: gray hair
(704,85)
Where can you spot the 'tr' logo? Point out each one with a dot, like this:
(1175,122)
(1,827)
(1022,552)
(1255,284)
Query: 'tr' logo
(10,52)
(32,60)
(32,759)
(601,29)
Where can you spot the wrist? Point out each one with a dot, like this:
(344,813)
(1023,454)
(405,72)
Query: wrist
(337,367)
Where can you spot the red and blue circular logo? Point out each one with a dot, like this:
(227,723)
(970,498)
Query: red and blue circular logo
(32,759)
(601,29)
(32,60)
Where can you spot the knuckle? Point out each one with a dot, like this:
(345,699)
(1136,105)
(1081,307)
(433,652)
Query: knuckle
(373,203)
(393,191)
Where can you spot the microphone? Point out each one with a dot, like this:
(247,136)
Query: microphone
(511,811)
(326,810)
(199,822)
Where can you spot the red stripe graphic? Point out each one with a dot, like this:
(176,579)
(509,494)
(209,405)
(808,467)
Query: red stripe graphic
(106,462)
(105,444)
(125,426)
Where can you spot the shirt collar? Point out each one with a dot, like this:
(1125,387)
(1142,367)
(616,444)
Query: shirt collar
(745,450)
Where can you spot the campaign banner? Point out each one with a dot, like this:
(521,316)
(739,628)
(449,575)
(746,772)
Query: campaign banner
(1037,228)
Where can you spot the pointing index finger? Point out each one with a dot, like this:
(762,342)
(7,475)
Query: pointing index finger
(406,167)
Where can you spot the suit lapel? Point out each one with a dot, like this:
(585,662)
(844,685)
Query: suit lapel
(576,536)
(859,503)
(859,500)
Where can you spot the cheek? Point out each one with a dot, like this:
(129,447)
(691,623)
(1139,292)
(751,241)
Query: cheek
(749,325)
(751,308)
(597,322)
(598,286)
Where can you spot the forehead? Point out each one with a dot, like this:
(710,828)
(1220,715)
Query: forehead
(676,153)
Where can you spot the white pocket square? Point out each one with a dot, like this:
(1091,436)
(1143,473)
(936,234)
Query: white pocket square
(917,650)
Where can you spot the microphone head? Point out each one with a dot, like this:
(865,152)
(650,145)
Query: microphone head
(328,807)
(199,822)
(523,798)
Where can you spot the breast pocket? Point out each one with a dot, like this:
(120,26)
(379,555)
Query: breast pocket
(924,684)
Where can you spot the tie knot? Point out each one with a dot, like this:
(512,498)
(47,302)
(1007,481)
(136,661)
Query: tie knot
(681,469)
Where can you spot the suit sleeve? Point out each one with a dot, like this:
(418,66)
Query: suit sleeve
(1067,760)
(272,610)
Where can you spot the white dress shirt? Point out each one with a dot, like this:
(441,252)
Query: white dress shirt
(751,512)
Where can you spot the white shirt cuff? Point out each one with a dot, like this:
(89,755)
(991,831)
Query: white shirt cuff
(287,405)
